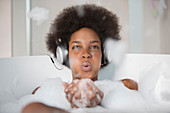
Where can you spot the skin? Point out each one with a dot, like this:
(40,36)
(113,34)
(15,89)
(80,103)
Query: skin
(131,84)
(84,50)
(85,46)
(37,107)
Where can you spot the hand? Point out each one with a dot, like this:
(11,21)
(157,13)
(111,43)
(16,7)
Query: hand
(83,93)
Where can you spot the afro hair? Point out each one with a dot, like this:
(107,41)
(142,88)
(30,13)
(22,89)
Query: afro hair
(71,19)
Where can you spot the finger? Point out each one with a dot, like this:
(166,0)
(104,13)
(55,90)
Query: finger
(69,88)
(101,94)
(91,95)
(65,84)
(69,97)
(89,87)
(95,88)
(78,95)
(74,106)
(93,103)
(76,81)
(98,99)
(95,100)
(74,90)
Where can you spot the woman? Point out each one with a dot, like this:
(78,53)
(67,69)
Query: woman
(82,31)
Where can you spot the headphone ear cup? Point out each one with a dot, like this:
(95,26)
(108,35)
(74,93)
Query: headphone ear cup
(105,54)
(61,54)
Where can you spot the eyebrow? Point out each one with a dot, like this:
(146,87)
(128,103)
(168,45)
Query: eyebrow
(95,41)
(76,42)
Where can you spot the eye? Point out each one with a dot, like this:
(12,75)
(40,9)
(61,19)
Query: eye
(94,47)
(76,47)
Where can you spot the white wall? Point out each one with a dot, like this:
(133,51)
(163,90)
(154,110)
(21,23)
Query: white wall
(149,33)
(39,32)
(5,28)
(165,30)
(136,26)
(151,28)
(19,47)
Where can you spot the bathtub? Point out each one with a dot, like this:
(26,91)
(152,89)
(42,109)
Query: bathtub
(19,76)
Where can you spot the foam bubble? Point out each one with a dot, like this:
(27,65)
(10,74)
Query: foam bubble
(118,98)
(114,50)
(165,96)
(77,75)
(80,11)
(59,39)
(104,18)
(84,91)
(39,15)
(53,29)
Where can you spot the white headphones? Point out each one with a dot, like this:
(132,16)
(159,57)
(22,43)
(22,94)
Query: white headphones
(61,54)
(113,52)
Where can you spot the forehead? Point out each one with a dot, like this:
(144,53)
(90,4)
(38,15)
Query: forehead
(84,35)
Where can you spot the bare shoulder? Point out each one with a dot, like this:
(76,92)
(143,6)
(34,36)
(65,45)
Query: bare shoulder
(131,84)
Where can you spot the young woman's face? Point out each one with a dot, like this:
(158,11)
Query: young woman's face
(85,54)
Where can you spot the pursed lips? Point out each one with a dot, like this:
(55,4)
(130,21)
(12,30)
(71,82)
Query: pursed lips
(86,66)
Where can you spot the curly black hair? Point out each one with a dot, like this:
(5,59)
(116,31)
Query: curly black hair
(71,19)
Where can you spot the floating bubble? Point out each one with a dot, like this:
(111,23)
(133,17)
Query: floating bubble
(53,29)
(114,50)
(59,39)
(39,15)
(80,11)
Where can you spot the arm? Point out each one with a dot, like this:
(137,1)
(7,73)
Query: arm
(37,107)
(131,84)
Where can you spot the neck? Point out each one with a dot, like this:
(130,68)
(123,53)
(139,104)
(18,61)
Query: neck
(93,79)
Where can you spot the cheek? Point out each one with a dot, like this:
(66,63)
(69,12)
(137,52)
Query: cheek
(73,61)
(96,53)
(97,58)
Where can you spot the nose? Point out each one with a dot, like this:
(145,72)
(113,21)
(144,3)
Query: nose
(86,54)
